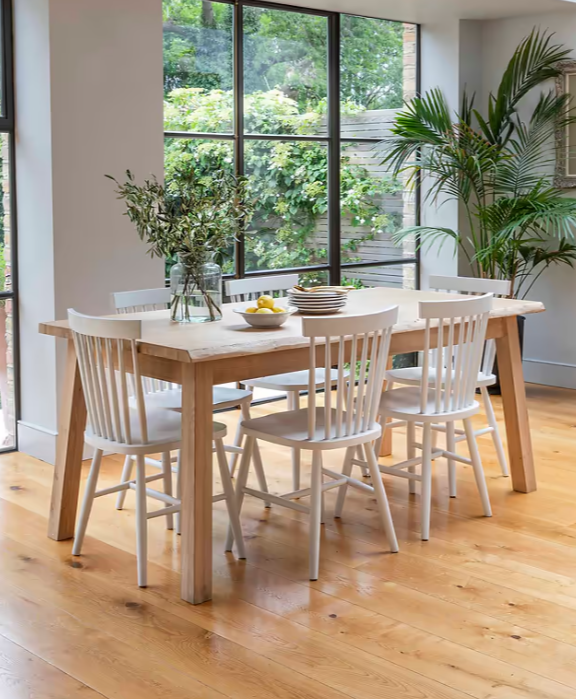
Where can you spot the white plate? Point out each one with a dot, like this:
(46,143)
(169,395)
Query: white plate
(318,311)
(317,295)
(318,304)
(300,300)
(314,301)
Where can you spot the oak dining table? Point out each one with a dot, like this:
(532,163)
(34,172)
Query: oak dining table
(198,356)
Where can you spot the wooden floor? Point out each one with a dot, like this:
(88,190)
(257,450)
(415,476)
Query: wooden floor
(486,608)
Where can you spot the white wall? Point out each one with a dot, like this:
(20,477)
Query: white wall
(88,103)
(440,67)
(550,345)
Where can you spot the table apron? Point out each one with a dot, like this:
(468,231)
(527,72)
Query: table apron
(251,366)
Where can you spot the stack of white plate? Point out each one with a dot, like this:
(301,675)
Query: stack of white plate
(317,302)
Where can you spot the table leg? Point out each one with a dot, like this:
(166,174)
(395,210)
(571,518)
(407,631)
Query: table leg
(69,446)
(196,465)
(386,443)
(515,409)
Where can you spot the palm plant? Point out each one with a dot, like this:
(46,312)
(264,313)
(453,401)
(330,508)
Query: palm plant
(499,167)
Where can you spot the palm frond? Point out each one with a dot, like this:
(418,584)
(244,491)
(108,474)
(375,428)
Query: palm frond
(532,150)
(534,61)
(542,211)
(426,236)
(467,107)
(425,122)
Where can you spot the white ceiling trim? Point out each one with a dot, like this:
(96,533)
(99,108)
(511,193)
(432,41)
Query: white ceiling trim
(433,11)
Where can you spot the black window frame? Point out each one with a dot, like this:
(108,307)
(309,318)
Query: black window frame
(333,140)
(7,126)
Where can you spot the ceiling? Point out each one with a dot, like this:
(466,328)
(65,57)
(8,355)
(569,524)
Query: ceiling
(436,10)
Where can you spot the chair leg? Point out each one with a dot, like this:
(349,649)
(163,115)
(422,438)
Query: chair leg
(178,521)
(411,453)
(126,473)
(381,498)
(477,466)
(141,522)
(87,502)
(360,456)
(451,446)
(258,466)
(293,399)
(237,443)
(241,484)
(426,490)
(496,438)
(343,489)
(434,445)
(230,498)
(315,513)
(167,473)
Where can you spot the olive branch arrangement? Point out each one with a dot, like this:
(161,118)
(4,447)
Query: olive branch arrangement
(194,218)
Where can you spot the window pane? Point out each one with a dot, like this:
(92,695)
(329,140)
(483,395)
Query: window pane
(3,50)
(378,65)
(398,276)
(7,409)
(7,417)
(285,72)
(289,182)
(5,215)
(206,157)
(198,68)
(374,205)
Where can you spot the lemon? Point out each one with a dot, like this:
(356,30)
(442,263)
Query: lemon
(252,309)
(265,302)
(264,310)
(278,309)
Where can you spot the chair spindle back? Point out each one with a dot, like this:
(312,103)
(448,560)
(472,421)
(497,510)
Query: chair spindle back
(140,301)
(250,289)
(357,396)
(475,287)
(100,345)
(456,370)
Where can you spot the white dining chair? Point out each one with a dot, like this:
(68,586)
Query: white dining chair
(169,396)
(293,382)
(412,376)
(347,420)
(108,359)
(445,394)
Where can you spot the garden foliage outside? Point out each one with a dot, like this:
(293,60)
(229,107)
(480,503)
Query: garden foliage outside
(285,93)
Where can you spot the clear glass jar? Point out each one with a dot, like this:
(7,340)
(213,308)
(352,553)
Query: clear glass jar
(195,297)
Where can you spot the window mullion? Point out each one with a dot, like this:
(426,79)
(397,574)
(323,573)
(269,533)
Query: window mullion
(334,222)
(240,248)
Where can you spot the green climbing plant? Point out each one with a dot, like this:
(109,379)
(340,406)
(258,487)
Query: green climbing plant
(288,180)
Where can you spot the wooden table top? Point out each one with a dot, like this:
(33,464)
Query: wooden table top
(232,337)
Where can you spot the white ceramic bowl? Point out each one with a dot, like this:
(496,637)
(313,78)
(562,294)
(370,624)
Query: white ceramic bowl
(265,320)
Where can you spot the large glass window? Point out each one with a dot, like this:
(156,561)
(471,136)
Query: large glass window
(299,101)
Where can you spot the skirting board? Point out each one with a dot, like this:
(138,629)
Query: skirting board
(39,442)
(550,373)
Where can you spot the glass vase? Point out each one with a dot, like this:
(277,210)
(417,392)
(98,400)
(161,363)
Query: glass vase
(195,294)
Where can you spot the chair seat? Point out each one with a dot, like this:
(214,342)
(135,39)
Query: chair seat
(292,381)
(164,433)
(412,376)
(222,398)
(225,397)
(290,429)
(404,403)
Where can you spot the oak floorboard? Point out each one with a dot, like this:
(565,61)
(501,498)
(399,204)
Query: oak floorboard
(245,604)
(285,656)
(485,609)
(25,676)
